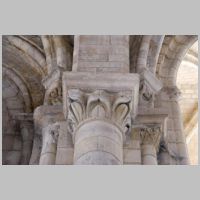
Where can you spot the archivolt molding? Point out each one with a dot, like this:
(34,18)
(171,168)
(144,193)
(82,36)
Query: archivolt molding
(143,53)
(32,43)
(173,52)
(30,50)
(154,51)
(58,53)
(190,125)
(147,56)
(146,64)
(134,43)
(21,84)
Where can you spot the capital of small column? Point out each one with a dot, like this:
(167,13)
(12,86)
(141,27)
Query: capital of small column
(150,139)
(151,135)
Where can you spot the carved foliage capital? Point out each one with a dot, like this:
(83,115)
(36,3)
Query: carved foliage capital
(150,135)
(98,104)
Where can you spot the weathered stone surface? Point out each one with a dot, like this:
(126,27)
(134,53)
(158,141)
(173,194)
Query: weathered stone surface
(99,99)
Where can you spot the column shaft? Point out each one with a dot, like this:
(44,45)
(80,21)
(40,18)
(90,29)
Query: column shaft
(149,156)
(27,141)
(98,142)
(49,147)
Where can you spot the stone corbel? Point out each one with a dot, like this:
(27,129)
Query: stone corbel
(53,86)
(149,86)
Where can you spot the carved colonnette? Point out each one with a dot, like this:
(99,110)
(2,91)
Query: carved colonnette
(49,144)
(98,110)
(48,121)
(149,137)
(150,127)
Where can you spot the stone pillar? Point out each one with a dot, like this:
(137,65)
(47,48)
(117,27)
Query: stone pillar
(98,142)
(132,149)
(27,134)
(98,98)
(150,139)
(99,118)
(101,53)
(25,121)
(49,144)
(65,147)
(44,117)
(98,122)
(175,139)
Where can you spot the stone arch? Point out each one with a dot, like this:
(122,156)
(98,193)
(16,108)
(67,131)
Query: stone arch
(149,52)
(31,50)
(173,52)
(22,85)
(58,51)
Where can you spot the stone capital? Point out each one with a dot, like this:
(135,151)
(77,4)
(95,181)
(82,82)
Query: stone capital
(84,106)
(100,96)
(150,135)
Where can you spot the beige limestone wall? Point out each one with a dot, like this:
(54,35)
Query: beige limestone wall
(101,53)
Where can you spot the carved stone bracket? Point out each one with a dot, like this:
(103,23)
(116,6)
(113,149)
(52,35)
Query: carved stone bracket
(146,94)
(53,86)
(149,85)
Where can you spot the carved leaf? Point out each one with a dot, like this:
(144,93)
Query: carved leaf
(98,99)
(77,111)
(121,108)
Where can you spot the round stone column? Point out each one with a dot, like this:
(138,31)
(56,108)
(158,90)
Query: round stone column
(150,139)
(26,128)
(98,142)
(175,138)
(49,146)
(149,155)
